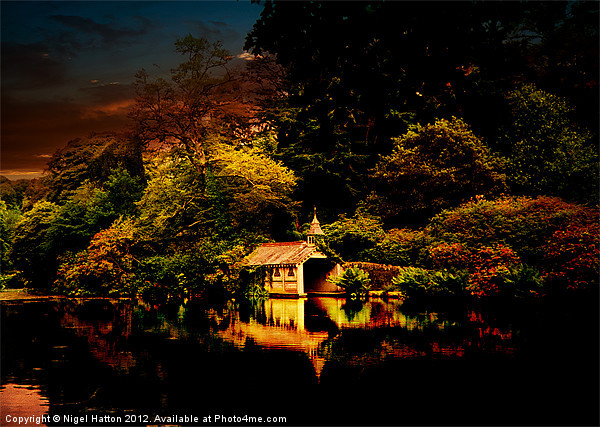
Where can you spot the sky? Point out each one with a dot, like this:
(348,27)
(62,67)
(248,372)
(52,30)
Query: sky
(68,67)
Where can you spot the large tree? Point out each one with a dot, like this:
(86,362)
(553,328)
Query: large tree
(359,73)
(93,159)
(33,251)
(434,167)
(547,153)
(183,109)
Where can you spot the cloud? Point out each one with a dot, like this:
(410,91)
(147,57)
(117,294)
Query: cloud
(102,93)
(246,56)
(31,66)
(117,108)
(91,34)
(213,30)
(33,127)
(14,174)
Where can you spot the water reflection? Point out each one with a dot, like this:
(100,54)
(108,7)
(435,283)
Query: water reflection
(22,401)
(70,356)
(365,334)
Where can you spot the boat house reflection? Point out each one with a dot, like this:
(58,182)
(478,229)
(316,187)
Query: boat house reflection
(307,325)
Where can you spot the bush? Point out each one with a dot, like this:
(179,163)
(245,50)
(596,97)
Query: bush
(527,281)
(512,246)
(492,270)
(355,282)
(402,247)
(521,223)
(571,258)
(352,238)
(252,284)
(211,268)
(418,283)
(105,268)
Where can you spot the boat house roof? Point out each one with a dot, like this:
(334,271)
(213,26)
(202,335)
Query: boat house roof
(283,253)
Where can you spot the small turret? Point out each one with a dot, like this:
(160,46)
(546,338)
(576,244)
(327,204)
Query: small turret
(315,229)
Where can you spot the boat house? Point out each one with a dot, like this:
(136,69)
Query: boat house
(297,268)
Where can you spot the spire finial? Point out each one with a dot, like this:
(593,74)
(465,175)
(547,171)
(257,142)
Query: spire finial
(315,228)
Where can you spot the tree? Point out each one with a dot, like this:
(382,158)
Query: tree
(175,210)
(182,110)
(353,237)
(548,154)
(104,268)
(8,193)
(92,208)
(258,188)
(8,220)
(358,74)
(565,58)
(243,191)
(33,252)
(92,158)
(432,168)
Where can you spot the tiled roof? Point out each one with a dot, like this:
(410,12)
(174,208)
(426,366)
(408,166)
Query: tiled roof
(281,253)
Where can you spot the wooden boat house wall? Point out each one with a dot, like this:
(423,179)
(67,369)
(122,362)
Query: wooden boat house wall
(297,268)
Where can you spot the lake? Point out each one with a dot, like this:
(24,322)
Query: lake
(315,361)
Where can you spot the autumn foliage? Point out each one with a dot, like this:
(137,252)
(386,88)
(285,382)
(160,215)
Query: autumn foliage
(105,268)
(500,241)
(510,246)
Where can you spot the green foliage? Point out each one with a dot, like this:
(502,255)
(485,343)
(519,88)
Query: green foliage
(325,249)
(353,237)
(547,154)
(434,167)
(173,207)
(8,220)
(91,209)
(8,194)
(15,192)
(257,186)
(252,283)
(418,283)
(33,251)
(49,230)
(401,247)
(93,159)
(527,282)
(355,282)
(243,191)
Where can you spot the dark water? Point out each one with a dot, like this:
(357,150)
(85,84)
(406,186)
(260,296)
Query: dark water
(313,361)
